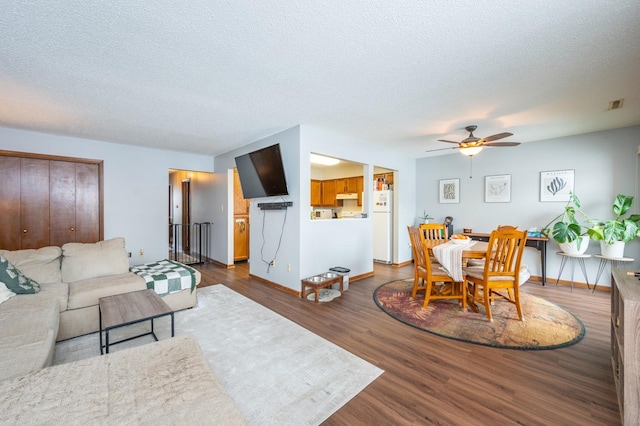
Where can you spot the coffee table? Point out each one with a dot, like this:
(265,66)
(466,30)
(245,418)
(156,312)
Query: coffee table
(131,308)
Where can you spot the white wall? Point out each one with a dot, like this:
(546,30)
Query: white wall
(135,184)
(604,163)
(311,247)
(349,243)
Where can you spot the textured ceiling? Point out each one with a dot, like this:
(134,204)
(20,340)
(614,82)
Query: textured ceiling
(210,76)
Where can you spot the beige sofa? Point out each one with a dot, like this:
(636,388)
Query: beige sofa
(71,278)
(162,383)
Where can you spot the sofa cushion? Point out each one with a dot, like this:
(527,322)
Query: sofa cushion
(15,280)
(28,335)
(41,265)
(5,293)
(163,383)
(87,292)
(81,261)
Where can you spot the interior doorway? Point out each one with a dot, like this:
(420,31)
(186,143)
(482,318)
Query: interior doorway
(190,215)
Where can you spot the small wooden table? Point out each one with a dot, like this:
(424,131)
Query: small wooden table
(317,282)
(130,308)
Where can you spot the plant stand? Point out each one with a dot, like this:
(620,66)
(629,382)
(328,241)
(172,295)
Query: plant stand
(573,258)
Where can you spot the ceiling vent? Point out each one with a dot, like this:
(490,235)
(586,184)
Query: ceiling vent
(617,104)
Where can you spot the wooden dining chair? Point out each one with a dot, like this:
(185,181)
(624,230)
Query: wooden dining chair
(433,234)
(500,276)
(425,277)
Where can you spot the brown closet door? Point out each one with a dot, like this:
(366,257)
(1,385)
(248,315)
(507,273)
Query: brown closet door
(87,203)
(62,214)
(10,232)
(34,203)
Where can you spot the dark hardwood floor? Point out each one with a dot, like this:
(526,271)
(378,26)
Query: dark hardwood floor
(433,380)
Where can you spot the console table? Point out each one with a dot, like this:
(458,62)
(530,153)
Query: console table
(539,243)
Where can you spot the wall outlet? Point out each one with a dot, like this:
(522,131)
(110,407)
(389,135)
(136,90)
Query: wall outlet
(288,267)
(141,253)
(273,263)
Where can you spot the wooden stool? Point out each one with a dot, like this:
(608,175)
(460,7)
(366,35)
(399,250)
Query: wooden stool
(616,262)
(317,282)
(572,258)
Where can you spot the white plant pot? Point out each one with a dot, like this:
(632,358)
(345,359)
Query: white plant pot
(572,247)
(612,250)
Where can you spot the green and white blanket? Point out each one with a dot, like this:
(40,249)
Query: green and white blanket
(166,276)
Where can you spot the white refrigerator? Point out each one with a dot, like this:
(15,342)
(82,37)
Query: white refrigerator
(382,226)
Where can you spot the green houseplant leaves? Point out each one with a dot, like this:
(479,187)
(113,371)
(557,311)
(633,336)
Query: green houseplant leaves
(618,229)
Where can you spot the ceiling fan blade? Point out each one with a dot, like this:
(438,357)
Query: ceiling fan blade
(497,136)
(444,140)
(501,144)
(442,149)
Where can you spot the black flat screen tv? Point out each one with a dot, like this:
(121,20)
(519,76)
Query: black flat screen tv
(261,173)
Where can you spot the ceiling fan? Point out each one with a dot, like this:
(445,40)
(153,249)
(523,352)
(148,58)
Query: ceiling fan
(473,145)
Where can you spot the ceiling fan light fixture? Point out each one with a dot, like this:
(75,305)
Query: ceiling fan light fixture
(470,151)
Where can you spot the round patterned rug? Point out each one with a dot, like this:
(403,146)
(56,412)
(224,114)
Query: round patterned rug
(546,325)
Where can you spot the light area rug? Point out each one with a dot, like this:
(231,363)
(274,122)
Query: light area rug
(277,372)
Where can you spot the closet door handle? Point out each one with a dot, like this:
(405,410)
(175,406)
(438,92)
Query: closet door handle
(24,231)
(71,229)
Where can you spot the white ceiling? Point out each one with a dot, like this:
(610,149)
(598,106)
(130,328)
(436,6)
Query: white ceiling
(210,76)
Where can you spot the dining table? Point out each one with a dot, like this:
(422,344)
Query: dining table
(453,256)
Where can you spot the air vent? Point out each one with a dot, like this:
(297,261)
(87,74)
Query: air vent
(617,104)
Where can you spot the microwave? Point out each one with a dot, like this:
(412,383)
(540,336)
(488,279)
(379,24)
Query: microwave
(323,214)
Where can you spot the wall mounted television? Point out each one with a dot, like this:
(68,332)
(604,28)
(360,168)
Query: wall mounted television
(261,173)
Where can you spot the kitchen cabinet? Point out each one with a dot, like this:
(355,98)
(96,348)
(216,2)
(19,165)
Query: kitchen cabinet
(359,188)
(49,200)
(329,193)
(240,238)
(316,192)
(625,347)
(240,221)
(347,185)
(240,204)
(388,177)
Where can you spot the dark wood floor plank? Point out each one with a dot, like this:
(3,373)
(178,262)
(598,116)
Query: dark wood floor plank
(433,380)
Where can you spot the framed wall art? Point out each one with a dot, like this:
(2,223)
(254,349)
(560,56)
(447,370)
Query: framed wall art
(449,191)
(556,185)
(497,189)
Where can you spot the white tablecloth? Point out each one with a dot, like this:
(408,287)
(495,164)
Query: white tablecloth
(449,255)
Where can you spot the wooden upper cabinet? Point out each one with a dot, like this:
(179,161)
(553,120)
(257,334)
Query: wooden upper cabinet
(388,177)
(328,192)
(49,201)
(316,192)
(240,204)
(346,185)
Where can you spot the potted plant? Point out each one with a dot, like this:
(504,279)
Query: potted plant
(425,218)
(571,236)
(613,234)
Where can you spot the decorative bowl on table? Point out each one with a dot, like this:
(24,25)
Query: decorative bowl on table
(460,239)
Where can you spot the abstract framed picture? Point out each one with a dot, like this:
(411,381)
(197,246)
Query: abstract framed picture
(497,189)
(556,185)
(449,191)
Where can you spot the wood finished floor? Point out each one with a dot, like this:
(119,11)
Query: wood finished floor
(433,380)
